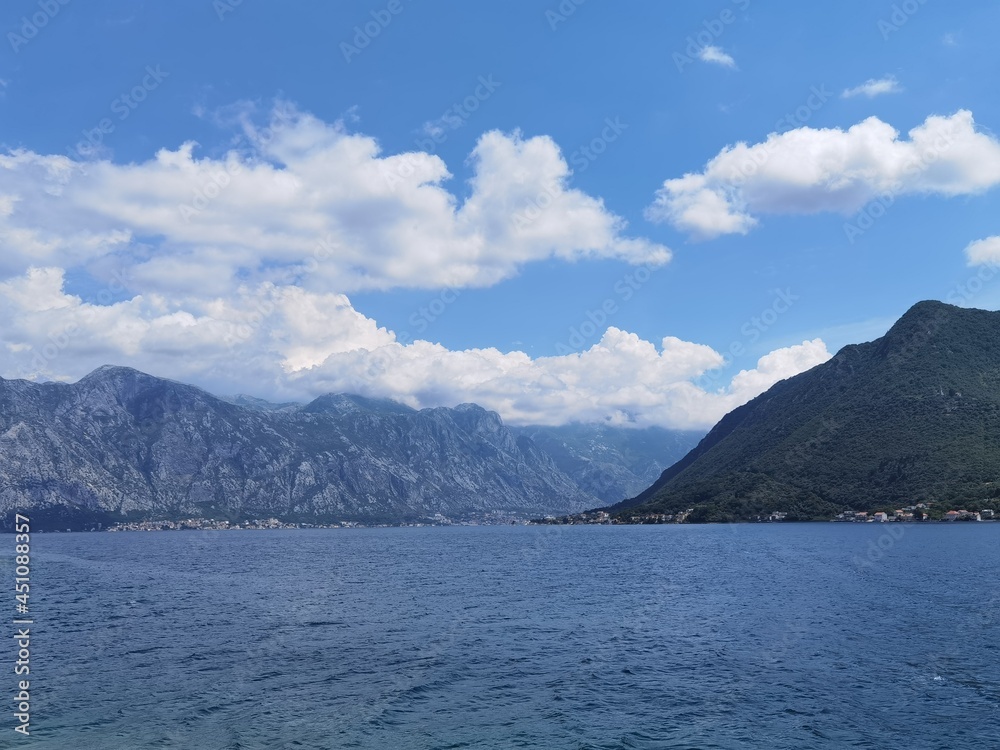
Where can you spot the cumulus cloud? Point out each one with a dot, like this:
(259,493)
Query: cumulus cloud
(777,365)
(713,54)
(309,203)
(985,252)
(809,170)
(232,272)
(622,379)
(217,342)
(288,343)
(874,87)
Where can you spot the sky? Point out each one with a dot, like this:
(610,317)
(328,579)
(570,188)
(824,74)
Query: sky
(639,213)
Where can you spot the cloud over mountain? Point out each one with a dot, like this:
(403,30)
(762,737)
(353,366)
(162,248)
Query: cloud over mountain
(232,272)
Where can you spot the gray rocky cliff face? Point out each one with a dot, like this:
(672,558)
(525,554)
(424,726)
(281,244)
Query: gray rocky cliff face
(610,462)
(120,442)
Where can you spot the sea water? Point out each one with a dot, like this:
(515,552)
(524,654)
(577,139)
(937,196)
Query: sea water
(729,636)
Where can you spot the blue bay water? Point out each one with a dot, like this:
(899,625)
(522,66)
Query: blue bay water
(745,636)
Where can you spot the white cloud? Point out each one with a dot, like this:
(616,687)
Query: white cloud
(622,379)
(236,268)
(985,252)
(874,87)
(713,54)
(288,343)
(777,365)
(218,342)
(311,204)
(809,170)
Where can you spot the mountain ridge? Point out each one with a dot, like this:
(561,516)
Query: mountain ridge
(913,415)
(120,444)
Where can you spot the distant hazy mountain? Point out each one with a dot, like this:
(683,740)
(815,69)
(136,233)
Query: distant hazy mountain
(252,402)
(612,463)
(912,416)
(120,443)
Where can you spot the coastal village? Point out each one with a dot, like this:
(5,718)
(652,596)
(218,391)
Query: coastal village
(914,513)
(211,524)
(919,513)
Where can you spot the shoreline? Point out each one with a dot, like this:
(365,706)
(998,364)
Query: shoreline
(361,526)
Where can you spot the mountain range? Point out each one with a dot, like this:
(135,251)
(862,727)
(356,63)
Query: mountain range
(123,445)
(908,418)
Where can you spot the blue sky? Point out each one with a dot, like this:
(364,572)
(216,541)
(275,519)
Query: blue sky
(477,116)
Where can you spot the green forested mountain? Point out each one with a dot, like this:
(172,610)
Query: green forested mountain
(913,416)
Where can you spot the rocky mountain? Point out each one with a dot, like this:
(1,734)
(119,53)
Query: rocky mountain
(913,416)
(120,444)
(612,463)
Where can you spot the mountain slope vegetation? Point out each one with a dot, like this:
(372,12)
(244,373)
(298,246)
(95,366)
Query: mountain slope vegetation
(913,416)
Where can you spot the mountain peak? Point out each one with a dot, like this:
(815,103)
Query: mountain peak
(349,402)
(928,307)
(117,377)
(935,310)
(930,328)
(912,416)
(112,370)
